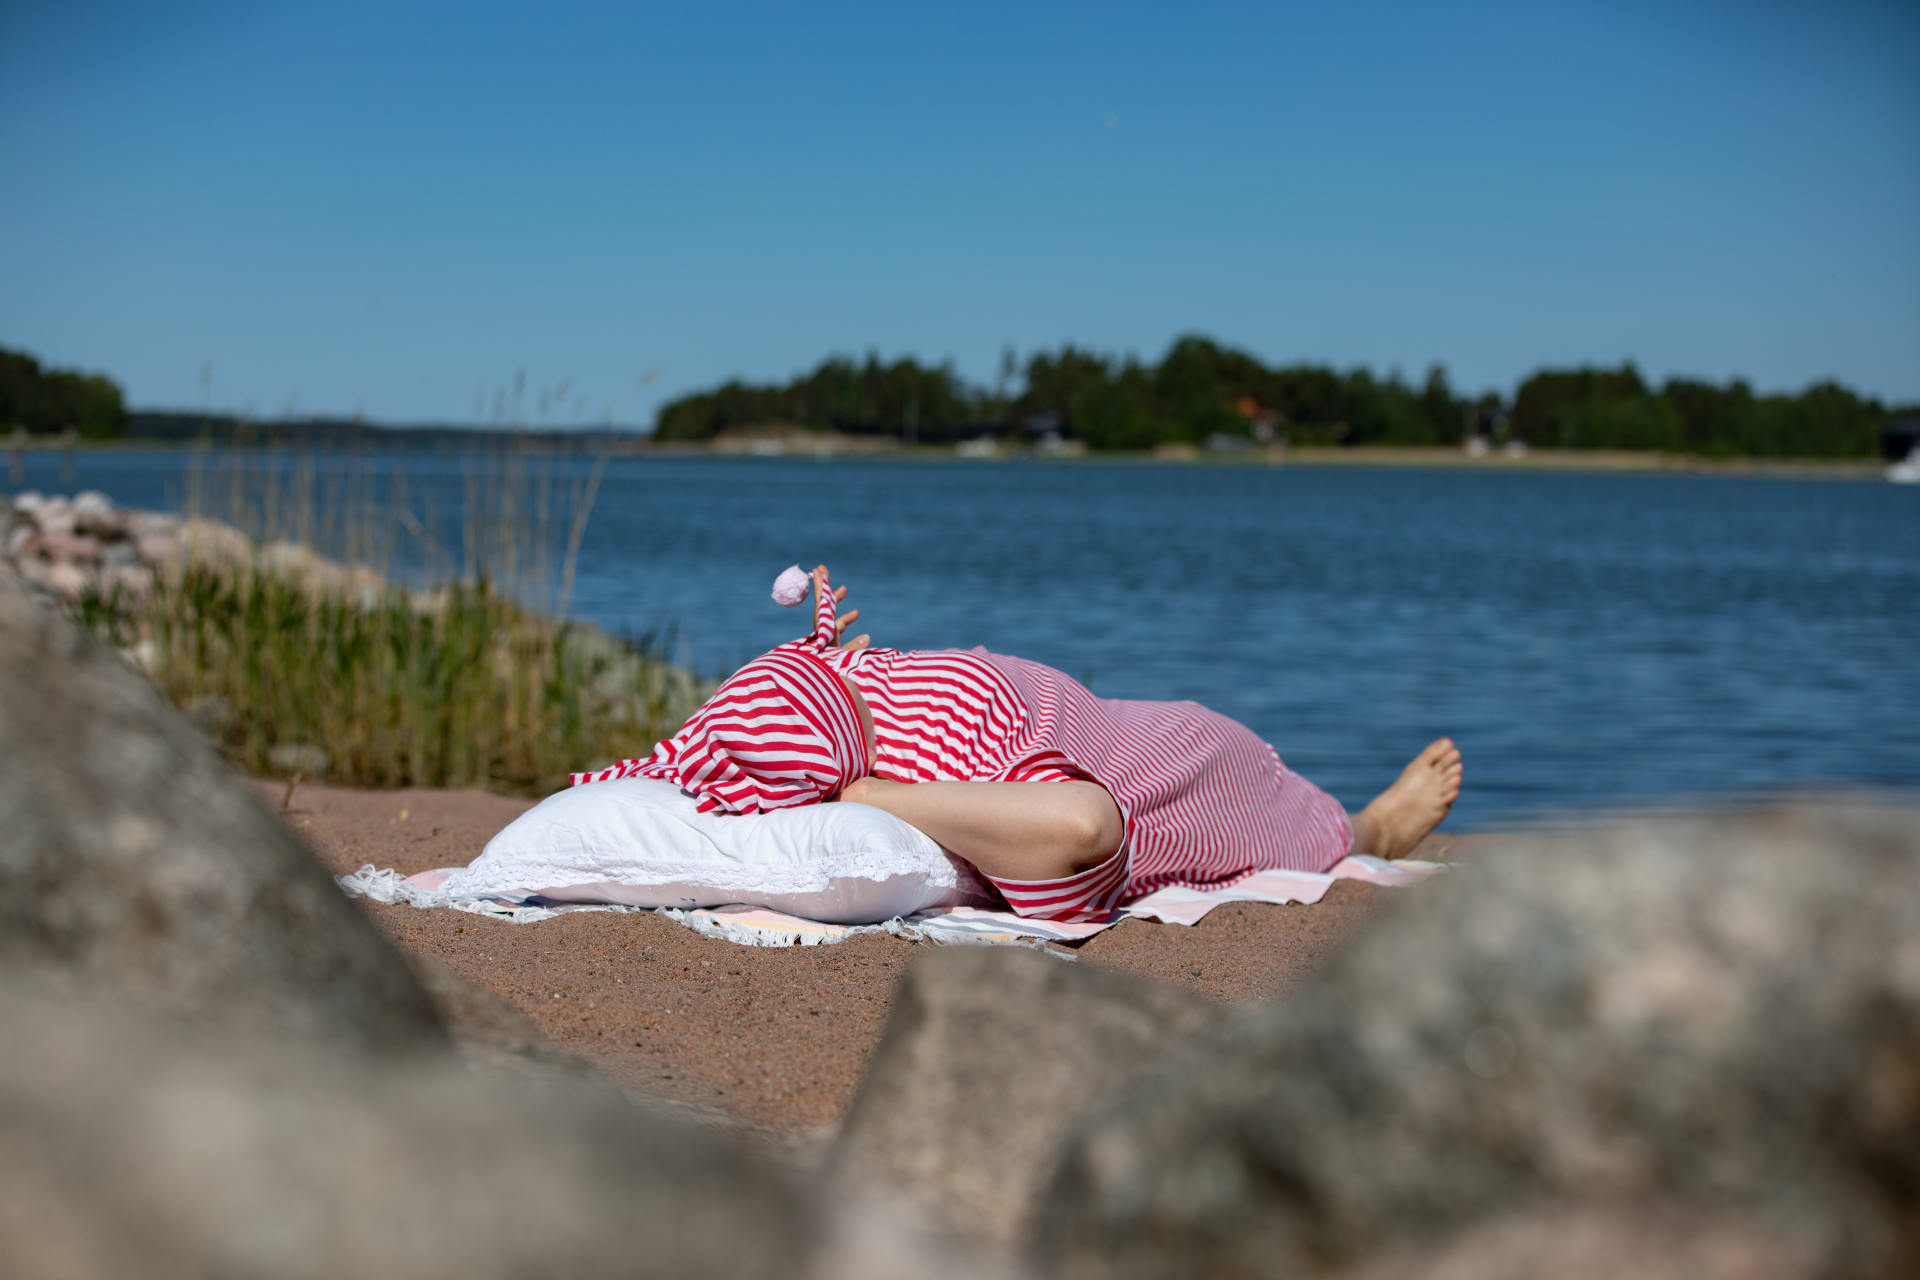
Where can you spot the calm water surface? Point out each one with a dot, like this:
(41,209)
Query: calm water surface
(1590,640)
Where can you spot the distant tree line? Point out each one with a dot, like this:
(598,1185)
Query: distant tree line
(905,399)
(49,401)
(1201,391)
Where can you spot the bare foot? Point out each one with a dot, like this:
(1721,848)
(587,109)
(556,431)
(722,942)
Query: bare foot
(1401,816)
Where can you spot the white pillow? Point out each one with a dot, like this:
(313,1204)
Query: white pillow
(641,842)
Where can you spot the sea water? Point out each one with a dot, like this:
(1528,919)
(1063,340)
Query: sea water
(1590,640)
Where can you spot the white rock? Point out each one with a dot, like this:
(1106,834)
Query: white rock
(77,547)
(93,513)
(67,579)
(55,515)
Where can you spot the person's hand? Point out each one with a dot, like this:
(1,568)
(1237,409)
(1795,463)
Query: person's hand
(843,621)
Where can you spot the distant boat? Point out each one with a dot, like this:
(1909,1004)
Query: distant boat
(1907,470)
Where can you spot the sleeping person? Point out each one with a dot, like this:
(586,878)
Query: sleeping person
(1069,804)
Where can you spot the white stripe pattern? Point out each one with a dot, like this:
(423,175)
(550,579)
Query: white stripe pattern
(1204,800)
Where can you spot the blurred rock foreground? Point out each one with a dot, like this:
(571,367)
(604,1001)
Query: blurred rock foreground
(134,864)
(990,1056)
(1687,1047)
(1710,1024)
(135,1147)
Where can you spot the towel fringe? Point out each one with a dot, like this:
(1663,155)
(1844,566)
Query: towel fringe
(941,928)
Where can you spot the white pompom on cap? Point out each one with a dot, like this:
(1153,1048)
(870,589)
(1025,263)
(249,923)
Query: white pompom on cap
(790,588)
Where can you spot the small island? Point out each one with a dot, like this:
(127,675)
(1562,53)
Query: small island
(1202,395)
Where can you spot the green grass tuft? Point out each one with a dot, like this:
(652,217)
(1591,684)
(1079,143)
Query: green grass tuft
(459,688)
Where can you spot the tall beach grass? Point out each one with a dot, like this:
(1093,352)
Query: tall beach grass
(378,643)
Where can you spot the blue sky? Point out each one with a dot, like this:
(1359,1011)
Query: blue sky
(395,209)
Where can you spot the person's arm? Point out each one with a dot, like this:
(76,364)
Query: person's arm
(1013,830)
(829,625)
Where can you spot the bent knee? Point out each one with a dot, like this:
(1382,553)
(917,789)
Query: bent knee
(1097,827)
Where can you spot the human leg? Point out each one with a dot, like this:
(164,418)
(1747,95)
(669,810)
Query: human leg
(1401,816)
(1013,830)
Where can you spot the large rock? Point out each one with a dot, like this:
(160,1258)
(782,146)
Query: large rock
(133,860)
(1602,1242)
(1718,1013)
(133,1146)
(988,1058)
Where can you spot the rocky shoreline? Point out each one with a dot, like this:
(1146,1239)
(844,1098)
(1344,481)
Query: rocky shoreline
(67,548)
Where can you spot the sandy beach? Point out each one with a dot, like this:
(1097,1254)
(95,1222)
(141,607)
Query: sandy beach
(775,1038)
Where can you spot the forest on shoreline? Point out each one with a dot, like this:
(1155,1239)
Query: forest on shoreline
(51,401)
(1199,392)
